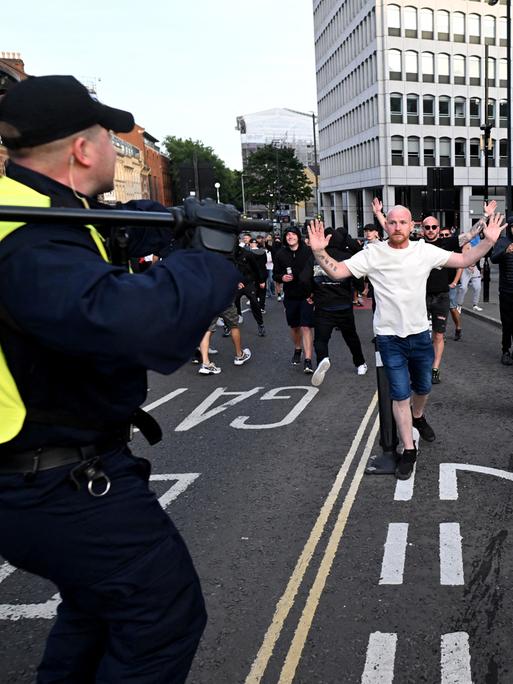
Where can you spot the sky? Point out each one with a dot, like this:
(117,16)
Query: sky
(186,68)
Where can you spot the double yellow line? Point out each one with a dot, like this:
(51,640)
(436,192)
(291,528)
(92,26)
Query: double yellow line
(286,601)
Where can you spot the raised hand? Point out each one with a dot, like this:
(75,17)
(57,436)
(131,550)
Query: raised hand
(316,236)
(377,206)
(490,207)
(494,227)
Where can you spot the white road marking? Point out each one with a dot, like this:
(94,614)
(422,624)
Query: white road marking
(455,658)
(392,567)
(305,623)
(183,480)
(201,413)
(6,569)
(404,488)
(288,597)
(240,421)
(380,660)
(448,482)
(451,555)
(162,400)
(31,611)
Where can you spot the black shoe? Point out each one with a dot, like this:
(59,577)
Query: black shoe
(457,334)
(226,331)
(197,356)
(308,367)
(435,376)
(296,359)
(506,359)
(261,331)
(425,430)
(406,462)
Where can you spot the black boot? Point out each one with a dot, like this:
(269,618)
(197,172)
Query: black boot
(406,462)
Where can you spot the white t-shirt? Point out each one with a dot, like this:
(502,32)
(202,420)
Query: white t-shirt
(399,279)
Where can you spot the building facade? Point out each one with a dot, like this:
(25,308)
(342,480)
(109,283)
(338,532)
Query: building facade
(401,88)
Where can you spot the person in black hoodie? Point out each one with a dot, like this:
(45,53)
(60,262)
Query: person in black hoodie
(244,260)
(289,265)
(333,308)
(502,254)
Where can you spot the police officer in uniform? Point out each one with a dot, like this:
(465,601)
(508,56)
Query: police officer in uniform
(77,335)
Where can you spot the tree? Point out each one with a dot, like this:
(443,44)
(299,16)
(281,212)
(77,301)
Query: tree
(195,168)
(274,176)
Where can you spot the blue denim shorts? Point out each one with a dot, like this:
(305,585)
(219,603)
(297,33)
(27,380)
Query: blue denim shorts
(408,362)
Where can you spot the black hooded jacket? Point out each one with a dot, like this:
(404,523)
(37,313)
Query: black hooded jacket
(505,261)
(297,260)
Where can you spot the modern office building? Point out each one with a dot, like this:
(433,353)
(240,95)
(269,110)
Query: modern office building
(401,88)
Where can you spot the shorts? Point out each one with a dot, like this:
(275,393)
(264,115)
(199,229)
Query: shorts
(408,362)
(453,297)
(299,313)
(438,307)
(229,316)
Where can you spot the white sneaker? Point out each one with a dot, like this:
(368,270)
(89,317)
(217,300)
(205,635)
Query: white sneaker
(477,308)
(320,372)
(239,360)
(212,352)
(210,369)
(241,319)
(361,370)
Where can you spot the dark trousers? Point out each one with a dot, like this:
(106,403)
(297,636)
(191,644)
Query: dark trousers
(506,314)
(250,292)
(132,608)
(325,322)
(261,296)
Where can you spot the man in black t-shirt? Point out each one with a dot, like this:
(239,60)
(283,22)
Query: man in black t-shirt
(442,280)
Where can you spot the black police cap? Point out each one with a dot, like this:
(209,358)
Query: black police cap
(48,108)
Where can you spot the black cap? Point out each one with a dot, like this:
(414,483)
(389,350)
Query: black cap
(48,108)
(292,229)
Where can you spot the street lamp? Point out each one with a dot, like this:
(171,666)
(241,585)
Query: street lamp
(217,186)
(509,202)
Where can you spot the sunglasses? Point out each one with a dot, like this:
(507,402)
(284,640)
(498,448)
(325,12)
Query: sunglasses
(432,227)
(445,235)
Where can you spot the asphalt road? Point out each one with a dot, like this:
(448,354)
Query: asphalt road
(314,572)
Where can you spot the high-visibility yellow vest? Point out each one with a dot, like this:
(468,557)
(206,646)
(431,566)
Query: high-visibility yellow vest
(12,408)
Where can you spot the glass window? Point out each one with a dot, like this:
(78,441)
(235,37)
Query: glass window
(491,71)
(503,73)
(503,153)
(413,151)
(459,111)
(394,65)
(502,30)
(459,69)
(474,28)
(460,152)
(474,70)
(396,108)
(429,152)
(412,108)
(458,27)
(489,29)
(491,112)
(442,24)
(475,151)
(394,20)
(397,150)
(503,114)
(445,151)
(426,23)
(428,108)
(428,67)
(410,22)
(443,68)
(444,110)
(411,65)
(475,111)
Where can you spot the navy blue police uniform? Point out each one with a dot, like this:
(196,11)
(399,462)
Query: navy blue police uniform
(78,335)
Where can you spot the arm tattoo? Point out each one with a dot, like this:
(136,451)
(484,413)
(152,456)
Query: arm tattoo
(463,238)
(328,263)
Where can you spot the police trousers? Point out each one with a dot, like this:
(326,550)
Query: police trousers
(132,608)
